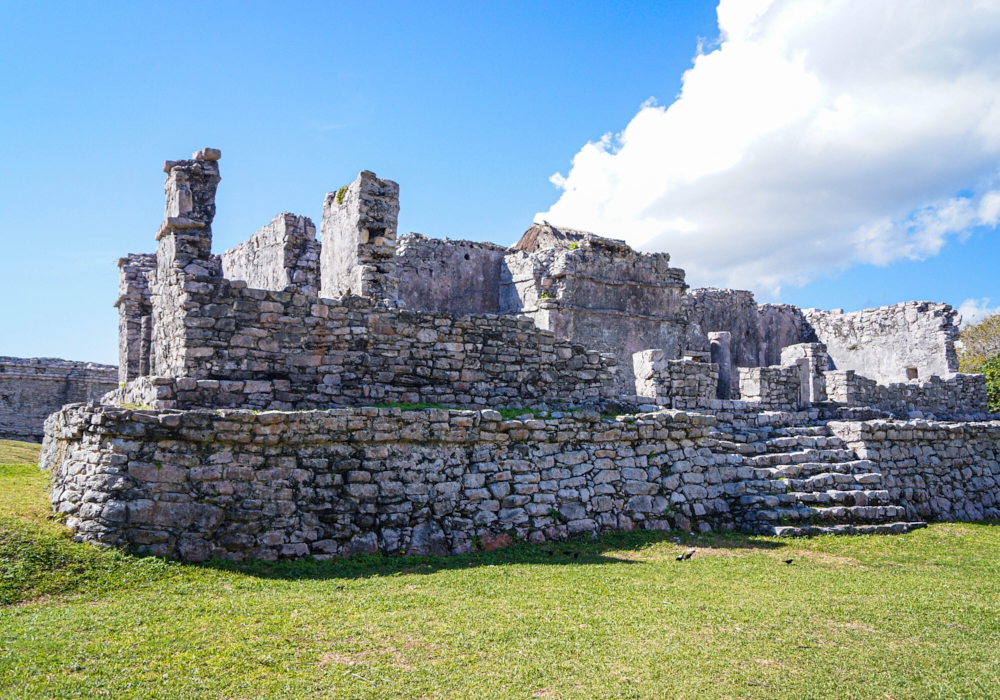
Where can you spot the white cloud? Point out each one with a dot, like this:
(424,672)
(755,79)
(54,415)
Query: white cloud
(974,310)
(818,134)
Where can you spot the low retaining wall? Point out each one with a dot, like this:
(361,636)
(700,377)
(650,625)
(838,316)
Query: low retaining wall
(938,471)
(242,484)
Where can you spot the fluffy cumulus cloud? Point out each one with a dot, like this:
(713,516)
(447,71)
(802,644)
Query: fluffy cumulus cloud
(817,134)
(975,310)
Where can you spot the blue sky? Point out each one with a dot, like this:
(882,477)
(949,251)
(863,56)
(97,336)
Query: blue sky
(471,107)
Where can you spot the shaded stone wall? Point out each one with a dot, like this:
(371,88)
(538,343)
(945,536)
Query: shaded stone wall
(882,344)
(773,388)
(959,395)
(135,316)
(450,277)
(284,253)
(31,389)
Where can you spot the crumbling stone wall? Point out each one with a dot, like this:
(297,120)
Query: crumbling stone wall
(359,239)
(450,277)
(31,389)
(885,343)
(938,471)
(773,388)
(674,383)
(135,316)
(282,350)
(599,292)
(282,254)
(959,395)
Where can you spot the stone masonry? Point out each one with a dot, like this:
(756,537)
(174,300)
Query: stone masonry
(245,425)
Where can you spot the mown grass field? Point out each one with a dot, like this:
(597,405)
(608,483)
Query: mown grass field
(916,616)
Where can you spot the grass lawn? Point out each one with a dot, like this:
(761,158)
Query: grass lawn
(914,616)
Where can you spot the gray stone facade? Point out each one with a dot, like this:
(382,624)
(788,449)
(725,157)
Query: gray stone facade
(32,389)
(246,426)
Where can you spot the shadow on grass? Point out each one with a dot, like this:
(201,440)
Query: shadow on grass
(573,552)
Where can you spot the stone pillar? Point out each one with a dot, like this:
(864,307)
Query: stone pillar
(721,355)
(358,255)
(184,254)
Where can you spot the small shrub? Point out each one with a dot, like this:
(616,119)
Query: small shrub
(340,194)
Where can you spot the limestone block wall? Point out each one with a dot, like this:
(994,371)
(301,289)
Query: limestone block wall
(238,484)
(31,389)
(885,343)
(599,292)
(938,471)
(359,239)
(960,395)
(134,316)
(772,388)
(677,384)
(281,350)
(284,253)
(451,277)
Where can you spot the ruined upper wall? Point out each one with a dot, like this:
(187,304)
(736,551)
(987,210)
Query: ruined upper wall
(32,389)
(883,344)
(446,276)
(134,315)
(597,291)
(283,254)
(359,239)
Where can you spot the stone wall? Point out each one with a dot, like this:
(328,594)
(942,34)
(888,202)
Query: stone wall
(677,384)
(31,389)
(135,322)
(938,471)
(281,350)
(960,395)
(359,239)
(885,343)
(283,254)
(268,485)
(598,292)
(451,277)
(772,388)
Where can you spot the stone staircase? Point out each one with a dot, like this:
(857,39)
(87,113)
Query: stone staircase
(807,481)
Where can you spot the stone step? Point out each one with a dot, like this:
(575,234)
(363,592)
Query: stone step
(834,480)
(855,497)
(826,515)
(815,430)
(894,528)
(810,469)
(795,443)
(801,457)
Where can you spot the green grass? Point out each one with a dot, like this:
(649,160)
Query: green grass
(916,616)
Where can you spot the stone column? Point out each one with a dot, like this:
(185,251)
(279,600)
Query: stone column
(722,356)
(358,255)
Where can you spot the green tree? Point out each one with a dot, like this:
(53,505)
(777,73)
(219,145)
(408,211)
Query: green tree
(980,354)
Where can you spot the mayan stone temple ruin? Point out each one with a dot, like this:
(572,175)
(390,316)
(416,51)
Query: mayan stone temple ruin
(251,419)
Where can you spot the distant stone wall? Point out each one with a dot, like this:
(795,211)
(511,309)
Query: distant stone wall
(450,277)
(282,254)
(677,384)
(960,395)
(938,471)
(781,325)
(885,343)
(32,389)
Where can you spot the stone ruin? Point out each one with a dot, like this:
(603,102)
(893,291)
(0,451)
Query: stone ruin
(295,396)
